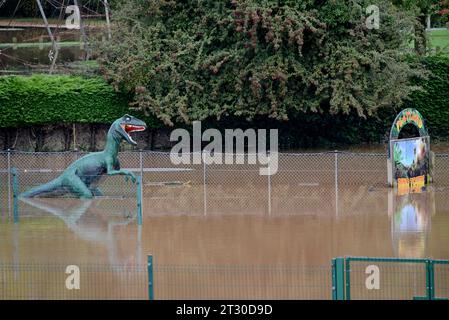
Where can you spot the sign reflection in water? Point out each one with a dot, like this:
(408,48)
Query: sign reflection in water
(411,216)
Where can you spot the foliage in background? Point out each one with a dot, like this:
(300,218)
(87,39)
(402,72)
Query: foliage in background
(29,8)
(433,101)
(44,99)
(318,130)
(198,59)
(422,9)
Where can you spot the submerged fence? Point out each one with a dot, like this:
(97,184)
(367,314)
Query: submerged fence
(304,183)
(389,279)
(346,278)
(36,281)
(52,281)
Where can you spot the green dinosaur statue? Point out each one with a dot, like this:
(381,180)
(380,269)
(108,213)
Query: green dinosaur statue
(82,175)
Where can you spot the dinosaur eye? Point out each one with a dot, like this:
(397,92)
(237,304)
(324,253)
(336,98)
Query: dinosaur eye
(128,119)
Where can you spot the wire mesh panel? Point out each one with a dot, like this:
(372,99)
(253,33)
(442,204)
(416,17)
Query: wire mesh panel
(51,282)
(171,189)
(236,187)
(441,170)
(331,183)
(361,169)
(304,184)
(441,279)
(362,200)
(4,185)
(385,279)
(241,282)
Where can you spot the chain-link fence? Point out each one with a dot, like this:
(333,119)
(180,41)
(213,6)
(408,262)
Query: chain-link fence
(359,278)
(304,183)
(36,281)
(242,282)
(397,280)
(5,184)
(441,280)
(370,278)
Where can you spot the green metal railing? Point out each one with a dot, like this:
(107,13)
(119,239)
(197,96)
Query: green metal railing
(48,281)
(397,278)
(150,278)
(237,282)
(15,192)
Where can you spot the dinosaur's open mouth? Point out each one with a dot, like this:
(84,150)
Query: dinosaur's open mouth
(128,128)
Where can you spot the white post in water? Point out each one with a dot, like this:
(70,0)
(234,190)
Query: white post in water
(9,183)
(139,245)
(269,183)
(204,184)
(50,34)
(336,183)
(83,31)
(141,175)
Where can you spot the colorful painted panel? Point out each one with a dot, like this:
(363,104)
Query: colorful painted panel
(410,163)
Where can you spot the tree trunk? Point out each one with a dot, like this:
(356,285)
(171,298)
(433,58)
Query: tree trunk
(93,141)
(151,134)
(5,139)
(40,138)
(420,35)
(67,137)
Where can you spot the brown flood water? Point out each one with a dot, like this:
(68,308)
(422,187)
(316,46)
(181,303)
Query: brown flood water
(238,236)
(368,223)
(305,230)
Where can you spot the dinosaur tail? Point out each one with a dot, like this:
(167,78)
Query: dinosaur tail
(45,188)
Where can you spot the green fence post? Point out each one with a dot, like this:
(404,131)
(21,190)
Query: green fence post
(139,200)
(15,194)
(150,278)
(348,278)
(338,284)
(430,280)
(436,262)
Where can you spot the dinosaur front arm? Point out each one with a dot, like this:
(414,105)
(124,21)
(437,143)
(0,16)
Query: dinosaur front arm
(112,172)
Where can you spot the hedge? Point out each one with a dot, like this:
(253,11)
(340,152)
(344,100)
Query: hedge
(45,99)
(433,102)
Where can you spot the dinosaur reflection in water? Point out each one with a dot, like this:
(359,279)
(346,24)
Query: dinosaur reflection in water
(86,218)
(411,217)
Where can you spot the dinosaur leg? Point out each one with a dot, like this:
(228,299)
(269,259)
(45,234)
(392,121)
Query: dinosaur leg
(46,188)
(79,188)
(96,191)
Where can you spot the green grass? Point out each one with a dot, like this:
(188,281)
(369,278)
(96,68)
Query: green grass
(440,39)
(50,21)
(38,44)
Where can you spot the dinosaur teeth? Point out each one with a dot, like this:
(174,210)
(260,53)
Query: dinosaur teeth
(131,128)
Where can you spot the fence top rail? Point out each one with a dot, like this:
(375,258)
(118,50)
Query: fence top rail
(190,267)
(403,260)
(439,261)
(62,266)
(167,153)
(286,153)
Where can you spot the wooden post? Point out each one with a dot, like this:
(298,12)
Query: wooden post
(108,22)
(83,31)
